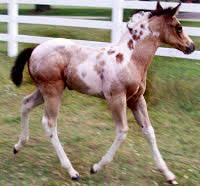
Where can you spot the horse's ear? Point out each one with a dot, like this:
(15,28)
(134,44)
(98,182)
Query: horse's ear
(175,10)
(158,6)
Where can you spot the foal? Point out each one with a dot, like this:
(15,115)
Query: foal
(117,74)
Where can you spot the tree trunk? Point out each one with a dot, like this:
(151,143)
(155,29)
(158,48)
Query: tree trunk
(42,8)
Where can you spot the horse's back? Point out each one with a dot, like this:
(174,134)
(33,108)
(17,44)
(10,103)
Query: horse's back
(57,60)
(47,62)
(45,49)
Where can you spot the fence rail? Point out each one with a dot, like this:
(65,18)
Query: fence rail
(117,6)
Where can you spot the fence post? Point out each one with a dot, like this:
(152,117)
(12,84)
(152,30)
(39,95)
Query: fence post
(12,28)
(117,19)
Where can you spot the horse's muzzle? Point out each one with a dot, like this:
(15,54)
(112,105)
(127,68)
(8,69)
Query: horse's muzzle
(190,49)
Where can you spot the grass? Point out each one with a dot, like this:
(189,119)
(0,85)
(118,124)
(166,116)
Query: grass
(174,104)
(86,128)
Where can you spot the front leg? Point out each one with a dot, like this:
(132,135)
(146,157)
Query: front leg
(139,110)
(117,105)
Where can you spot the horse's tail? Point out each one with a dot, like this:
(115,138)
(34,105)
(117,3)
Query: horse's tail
(17,70)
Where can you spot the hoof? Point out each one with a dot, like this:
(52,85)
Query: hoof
(77,178)
(15,151)
(172,182)
(92,171)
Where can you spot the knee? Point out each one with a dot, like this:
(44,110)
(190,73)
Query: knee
(122,134)
(122,137)
(45,123)
(49,125)
(148,132)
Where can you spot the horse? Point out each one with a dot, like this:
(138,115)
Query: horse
(116,73)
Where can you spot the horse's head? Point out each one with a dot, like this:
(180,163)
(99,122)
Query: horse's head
(169,29)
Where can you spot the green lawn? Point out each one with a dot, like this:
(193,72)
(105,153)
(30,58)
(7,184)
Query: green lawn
(174,105)
(86,129)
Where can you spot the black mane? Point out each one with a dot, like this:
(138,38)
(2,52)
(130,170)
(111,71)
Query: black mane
(160,12)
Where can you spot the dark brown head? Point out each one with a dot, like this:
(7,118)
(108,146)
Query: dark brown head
(164,22)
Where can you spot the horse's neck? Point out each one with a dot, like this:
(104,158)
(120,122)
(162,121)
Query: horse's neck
(123,42)
(143,50)
(144,53)
(123,45)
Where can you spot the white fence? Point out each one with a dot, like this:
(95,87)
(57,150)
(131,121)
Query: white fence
(117,6)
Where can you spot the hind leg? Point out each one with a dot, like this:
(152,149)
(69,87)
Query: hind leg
(52,98)
(28,103)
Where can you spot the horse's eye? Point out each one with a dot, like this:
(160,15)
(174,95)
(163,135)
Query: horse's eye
(179,29)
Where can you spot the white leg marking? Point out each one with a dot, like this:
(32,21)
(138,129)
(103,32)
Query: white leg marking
(160,163)
(118,107)
(25,128)
(28,104)
(141,115)
(65,162)
(108,157)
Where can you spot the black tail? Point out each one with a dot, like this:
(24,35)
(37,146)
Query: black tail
(17,70)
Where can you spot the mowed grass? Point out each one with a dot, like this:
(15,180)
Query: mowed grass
(86,129)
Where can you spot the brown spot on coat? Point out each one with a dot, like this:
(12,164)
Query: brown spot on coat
(102,63)
(130,44)
(135,37)
(130,30)
(141,26)
(99,55)
(111,51)
(119,57)
(74,82)
(98,69)
(142,13)
(102,76)
(141,32)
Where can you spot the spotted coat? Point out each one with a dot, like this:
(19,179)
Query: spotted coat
(99,72)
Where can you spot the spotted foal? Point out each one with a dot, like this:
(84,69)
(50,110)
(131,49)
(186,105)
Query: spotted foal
(116,74)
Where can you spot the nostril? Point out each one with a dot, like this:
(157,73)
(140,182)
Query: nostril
(189,49)
(192,47)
